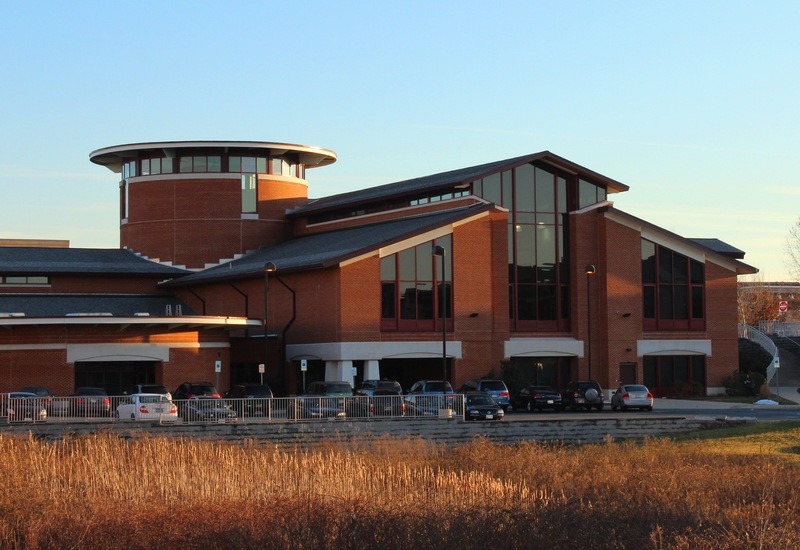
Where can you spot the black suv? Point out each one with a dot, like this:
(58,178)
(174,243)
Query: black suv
(385,397)
(250,399)
(583,394)
(187,390)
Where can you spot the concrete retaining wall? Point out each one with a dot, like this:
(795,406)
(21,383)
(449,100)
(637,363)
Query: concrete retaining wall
(305,434)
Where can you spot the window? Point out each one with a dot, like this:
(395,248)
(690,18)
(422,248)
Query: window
(413,296)
(538,277)
(24,279)
(249,193)
(200,163)
(669,375)
(673,289)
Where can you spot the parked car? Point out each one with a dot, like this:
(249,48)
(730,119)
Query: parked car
(537,398)
(428,397)
(42,393)
(25,407)
(202,408)
(385,397)
(147,406)
(583,394)
(368,387)
(481,406)
(187,390)
(90,402)
(250,399)
(496,388)
(632,396)
(151,388)
(328,399)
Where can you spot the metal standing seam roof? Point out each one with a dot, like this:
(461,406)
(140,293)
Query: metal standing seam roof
(448,179)
(63,305)
(327,249)
(86,261)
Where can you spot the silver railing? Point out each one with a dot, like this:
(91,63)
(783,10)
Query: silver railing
(755,335)
(15,408)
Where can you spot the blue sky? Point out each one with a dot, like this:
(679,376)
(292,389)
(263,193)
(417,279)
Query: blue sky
(694,105)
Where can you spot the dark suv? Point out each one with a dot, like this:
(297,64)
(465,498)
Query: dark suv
(425,398)
(250,399)
(583,394)
(328,399)
(385,397)
(187,390)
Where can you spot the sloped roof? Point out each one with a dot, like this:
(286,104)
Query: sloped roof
(86,261)
(448,180)
(721,247)
(62,305)
(327,249)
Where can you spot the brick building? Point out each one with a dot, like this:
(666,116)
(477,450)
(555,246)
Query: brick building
(225,264)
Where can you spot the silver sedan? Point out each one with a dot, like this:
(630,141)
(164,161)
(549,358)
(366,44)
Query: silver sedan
(632,396)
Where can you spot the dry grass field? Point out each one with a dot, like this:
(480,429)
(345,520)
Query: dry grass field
(732,489)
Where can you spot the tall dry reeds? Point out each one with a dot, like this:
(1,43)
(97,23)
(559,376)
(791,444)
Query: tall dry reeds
(101,491)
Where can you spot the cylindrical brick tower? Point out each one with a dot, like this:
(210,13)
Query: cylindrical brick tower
(197,203)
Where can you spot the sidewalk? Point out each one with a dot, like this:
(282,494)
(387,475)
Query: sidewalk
(788,393)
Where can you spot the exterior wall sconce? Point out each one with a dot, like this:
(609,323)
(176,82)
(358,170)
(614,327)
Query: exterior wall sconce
(626,315)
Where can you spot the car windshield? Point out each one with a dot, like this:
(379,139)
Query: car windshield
(153,399)
(436,387)
(258,391)
(493,385)
(635,388)
(388,385)
(479,400)
(543,389)
(338,389)
(91,391)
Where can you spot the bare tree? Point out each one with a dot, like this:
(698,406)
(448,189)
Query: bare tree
(793,251)
(756,301)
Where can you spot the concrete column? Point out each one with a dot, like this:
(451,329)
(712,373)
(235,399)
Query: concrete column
(372,369)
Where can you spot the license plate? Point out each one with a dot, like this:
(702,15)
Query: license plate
(549,401)
(489,416)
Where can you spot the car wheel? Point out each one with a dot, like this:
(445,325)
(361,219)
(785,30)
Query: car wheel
(529,407)
(133,416)
(116,414)
(649,409)
(599,408)
(613,407)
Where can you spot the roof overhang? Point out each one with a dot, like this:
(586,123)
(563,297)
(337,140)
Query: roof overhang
(195,322)
(114,157)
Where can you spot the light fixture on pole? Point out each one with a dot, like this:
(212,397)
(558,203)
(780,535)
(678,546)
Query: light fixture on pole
(443,302)
(269,267)
(590,270)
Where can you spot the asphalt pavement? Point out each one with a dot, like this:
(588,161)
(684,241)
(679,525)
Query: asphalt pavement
(667,403)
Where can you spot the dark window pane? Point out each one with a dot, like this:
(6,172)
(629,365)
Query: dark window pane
(492,190)
(680,269)
(698,276)
(698,369)
(545,191)
(681,370)
(665,308)
(547,302)
(664,265)
(650,371)
(388,268)
(525,253)
(387,300)
(424,300)
(697,303)
(681,301)
(408,300)
(526,302)
(408,267)
(649,298)
(667,374)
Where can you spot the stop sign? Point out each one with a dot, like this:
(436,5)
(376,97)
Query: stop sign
(783,306)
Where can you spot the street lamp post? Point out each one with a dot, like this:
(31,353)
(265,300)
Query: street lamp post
(269,267)
(439,251)
(590,270)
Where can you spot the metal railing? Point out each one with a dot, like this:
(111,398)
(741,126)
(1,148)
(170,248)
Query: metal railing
(126,408)
(779,328)
(755,335)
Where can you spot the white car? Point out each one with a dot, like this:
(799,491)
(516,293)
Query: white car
(147,406)
(632,396)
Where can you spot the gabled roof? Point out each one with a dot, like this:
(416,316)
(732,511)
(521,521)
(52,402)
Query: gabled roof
(85,261)
(446,180)
(63,305)
(322,250)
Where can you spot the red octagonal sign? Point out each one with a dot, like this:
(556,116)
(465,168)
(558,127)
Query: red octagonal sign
(783,305)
